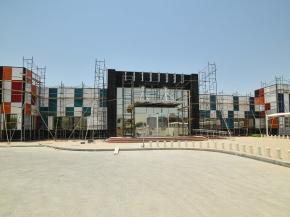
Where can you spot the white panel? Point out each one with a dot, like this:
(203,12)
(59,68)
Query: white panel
(286,102)
(7,97)
(28,87)
(50,122)
(89,93)
(28,98)
(88,102)
(69,102)
(19,122)
(17,73)
(34,110)
(7,86)
(77,111)
(69,92)
(16,108)
(212,114)
(225,114)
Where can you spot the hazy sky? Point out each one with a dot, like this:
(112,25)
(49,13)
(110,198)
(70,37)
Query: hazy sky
(249,40)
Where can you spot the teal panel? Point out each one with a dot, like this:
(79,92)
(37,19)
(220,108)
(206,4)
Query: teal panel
(78,92)
(86,111)
(69,111)
(78,102)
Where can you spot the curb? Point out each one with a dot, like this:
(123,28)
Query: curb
(267,160)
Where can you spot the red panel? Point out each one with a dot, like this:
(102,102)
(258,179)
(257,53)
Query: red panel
(33,100)
(261,92)
(16,96)
(17,85)
(274,123)
(27,109)
(29,76)
(33,90)
(267,106)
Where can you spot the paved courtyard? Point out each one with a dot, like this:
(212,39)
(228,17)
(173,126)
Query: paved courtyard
(45,182)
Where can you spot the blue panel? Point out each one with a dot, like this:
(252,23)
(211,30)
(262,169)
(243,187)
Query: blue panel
(212,102)
(281,107)
(236,103)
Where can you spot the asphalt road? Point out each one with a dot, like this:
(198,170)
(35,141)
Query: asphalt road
(44,182)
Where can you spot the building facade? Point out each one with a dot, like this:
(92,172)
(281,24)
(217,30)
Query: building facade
(133,104)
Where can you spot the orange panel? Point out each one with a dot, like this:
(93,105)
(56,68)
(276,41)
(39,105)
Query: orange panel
(6,108)
(29,76)
(274,123)
(7,73)
(259,100)
(27,109)
(33,90)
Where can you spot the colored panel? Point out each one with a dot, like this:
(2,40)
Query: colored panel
(6,108)
(52,104)
(261,92)
(236,103)
(16,97)
(212,102)
(29,76)
(231,114)
(78,92)
(27,109)
(78,102)
(267,106)
(69,111)
(252,104)
(103,98)
(274,123)
(17,85)
(52,93)
(86,111)
(33,100)
(33,90)
(17,73)
(7,73)
(281,106)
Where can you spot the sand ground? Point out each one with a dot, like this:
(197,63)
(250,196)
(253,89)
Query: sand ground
(47,182)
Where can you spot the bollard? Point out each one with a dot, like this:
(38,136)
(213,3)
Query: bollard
(289,155)
(178,144)
(185,144)
(207,145)
(231,146)
(268,150)
(278,152)
(244,148)
(215,145)
(251,149)
(200,145)
(193,144)
(238,147)
(287,137)
(259,151)
(164,144)
(171,144)
(157,144)
(223,146)
(150,144)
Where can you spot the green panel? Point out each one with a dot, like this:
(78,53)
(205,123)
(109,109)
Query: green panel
(52,92)
(52,105)
(78,92)
(86,111)
(69,111)
(103,97)
(78,102)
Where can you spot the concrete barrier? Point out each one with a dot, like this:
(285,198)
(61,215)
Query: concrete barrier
(223,146)
(157,144)
(185,144)
(244,149)
(171,144)
(150,144)
(215,145)
(251,149)
(164,144)
(193,144)
(200,145)
(237,147)
(278,153)
(207,145)
(268,151)
(178,144)
(259,151)
(231,146)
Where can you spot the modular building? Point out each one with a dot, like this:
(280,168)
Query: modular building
(138,104)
